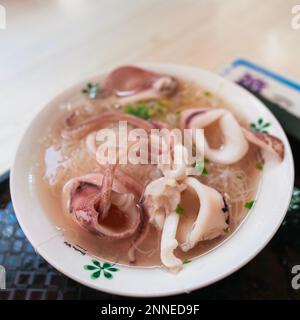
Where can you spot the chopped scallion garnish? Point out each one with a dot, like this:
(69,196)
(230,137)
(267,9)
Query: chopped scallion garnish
(186,261)
(91,90)
(259,166)
(249,204)
(179,209)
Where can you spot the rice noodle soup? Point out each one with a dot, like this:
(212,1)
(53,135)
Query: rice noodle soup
(149,215)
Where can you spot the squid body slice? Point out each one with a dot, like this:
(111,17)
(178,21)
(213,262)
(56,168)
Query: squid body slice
(211,219)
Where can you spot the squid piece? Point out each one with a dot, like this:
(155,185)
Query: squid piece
(266,141)
(133,84)
(211,219)
(236,137)
(105,201)
(141,233)
(169,243)
(96,201)
(181,167)
(160,200)
(128,181)
(161,197)
(93,123)
(178,171)
(235,145)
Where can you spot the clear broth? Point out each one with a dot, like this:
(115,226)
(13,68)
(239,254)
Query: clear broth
(60,160)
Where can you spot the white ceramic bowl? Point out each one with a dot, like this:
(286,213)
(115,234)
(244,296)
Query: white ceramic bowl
(251,237)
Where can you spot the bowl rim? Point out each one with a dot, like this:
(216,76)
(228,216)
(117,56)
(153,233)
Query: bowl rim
(45,254)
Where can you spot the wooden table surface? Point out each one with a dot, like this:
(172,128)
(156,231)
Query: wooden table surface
(48,46)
